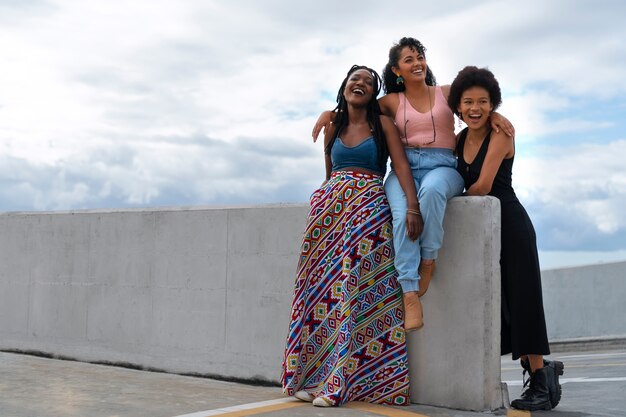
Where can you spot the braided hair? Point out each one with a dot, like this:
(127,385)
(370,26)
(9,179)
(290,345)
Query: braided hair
(373,115)
(389,77)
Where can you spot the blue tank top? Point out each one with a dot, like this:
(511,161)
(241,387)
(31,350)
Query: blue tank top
(364,155)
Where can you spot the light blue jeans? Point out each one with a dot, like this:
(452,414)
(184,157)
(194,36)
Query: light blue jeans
(436,180)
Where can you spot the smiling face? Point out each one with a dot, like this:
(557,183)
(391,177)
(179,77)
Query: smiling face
(475,107)
(411,65)
(359,87)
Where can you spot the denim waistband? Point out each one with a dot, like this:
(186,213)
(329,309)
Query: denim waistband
(446,151)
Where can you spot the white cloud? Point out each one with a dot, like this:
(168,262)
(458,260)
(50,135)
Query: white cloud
(537,114)
(207,102)
(577,195)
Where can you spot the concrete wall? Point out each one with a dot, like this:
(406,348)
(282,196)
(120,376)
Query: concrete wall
(199,290)
(585,303)
(460,341)
(208,291)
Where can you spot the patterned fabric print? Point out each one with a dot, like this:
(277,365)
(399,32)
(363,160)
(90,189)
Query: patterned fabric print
(346,337)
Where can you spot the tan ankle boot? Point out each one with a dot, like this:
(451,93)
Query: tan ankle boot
(425,272)
(413,314)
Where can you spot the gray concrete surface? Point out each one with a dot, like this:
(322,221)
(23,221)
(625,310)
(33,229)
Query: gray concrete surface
(593,385)
(208,291)
(169,289)
(461,337)
(585,302)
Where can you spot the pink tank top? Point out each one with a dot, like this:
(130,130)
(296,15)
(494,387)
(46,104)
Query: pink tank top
(419,126)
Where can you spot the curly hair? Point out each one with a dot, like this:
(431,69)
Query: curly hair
(389,77)
(469,77)
(373,114)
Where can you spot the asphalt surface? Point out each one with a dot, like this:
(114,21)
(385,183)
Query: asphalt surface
(594,384)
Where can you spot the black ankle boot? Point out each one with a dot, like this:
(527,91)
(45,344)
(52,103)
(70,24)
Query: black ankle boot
(553,378)
(537,396)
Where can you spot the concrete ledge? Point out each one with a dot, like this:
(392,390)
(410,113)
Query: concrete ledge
(207,291)
(203,291)
(461,338)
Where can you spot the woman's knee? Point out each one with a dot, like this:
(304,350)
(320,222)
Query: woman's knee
(444,184)
(432,192)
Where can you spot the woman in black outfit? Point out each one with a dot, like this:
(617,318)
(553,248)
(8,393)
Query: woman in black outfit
(485,161)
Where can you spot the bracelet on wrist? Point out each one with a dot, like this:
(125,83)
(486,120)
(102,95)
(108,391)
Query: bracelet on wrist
(411,211)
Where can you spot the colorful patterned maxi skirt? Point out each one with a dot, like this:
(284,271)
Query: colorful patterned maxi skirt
(346,337)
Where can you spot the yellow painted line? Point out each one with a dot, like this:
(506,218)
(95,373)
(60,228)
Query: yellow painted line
(251,408)
(383,410)
(287,403)
(517,413)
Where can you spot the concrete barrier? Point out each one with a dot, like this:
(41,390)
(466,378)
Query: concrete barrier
(586,304)
(455,359)
(207,291)
(202,290)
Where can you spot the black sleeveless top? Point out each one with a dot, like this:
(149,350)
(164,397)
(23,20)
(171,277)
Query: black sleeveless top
(502,187)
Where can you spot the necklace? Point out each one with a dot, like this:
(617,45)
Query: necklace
(432,119)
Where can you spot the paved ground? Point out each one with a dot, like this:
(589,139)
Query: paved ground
(594,384)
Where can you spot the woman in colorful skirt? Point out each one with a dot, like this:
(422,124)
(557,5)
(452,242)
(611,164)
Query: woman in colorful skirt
(346,338)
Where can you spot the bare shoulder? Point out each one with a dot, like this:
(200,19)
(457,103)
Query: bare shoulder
(445,90)
(389,104)
(502,141)
(501,136)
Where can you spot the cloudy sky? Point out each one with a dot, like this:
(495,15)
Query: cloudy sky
(148,103)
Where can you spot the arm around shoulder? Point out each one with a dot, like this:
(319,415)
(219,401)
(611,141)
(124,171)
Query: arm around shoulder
(499,122)
(324,121)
